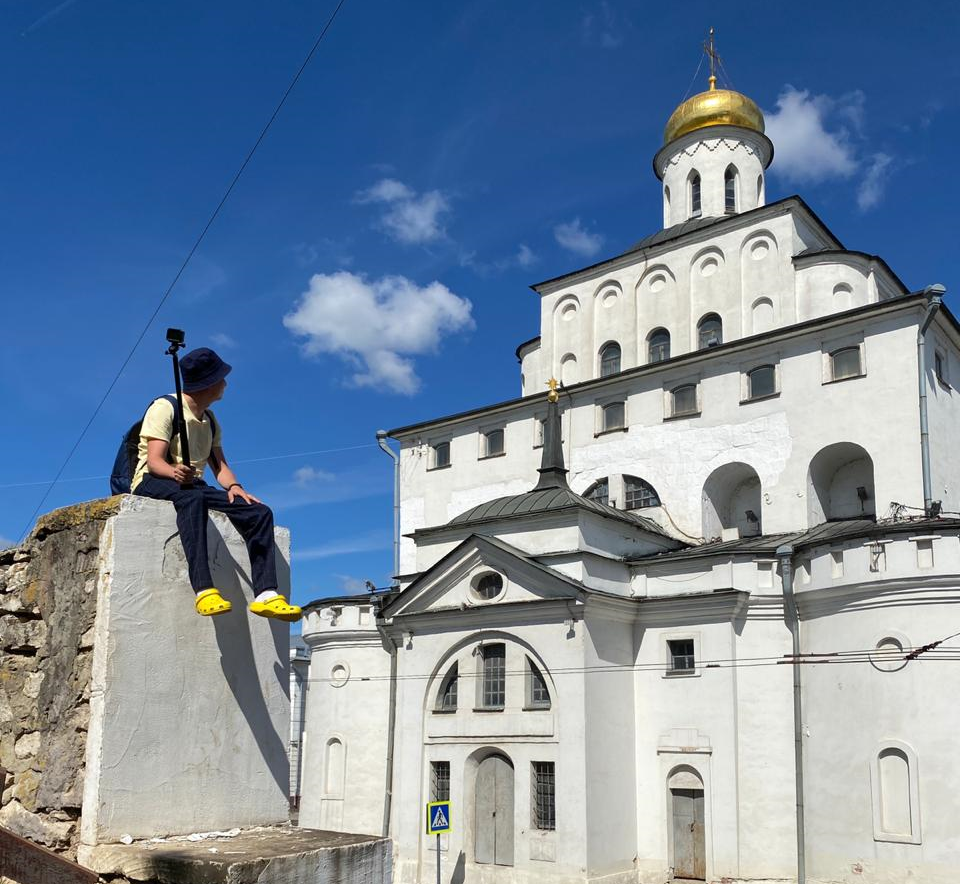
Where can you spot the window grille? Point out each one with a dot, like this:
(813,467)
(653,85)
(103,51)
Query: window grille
(447,701)
(537,694)
(441,454)
(609,360)
(710,331)
(493,443)
(762,381)
(494,688)
(730,190)
(599,491)
(684,400)
(489,586)
(681,655)
(544,795)
(639,494)
(659,345)
(440,780)
(612,416)
(846,363)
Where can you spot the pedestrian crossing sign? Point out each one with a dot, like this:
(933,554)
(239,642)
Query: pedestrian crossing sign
(438,817)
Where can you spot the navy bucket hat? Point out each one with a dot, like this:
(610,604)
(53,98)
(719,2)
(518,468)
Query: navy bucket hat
(202,368)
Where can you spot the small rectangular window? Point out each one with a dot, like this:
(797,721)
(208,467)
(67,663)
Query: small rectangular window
(440,455)
(761,381)
(493,443)
(494,682)
(845,363)
(612,416)
(544,793)
(940,367)
(681,655)
(440,780)
(684,400)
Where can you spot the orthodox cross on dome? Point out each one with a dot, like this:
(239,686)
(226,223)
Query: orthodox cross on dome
(711,50)
(553,473)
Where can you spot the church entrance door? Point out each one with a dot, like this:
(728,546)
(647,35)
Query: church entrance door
(689,856)
(494,820)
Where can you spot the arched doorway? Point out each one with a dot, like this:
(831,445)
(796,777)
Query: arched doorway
(840,484)
(687,825)
(493,839)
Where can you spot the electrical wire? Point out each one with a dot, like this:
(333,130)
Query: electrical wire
(183,266)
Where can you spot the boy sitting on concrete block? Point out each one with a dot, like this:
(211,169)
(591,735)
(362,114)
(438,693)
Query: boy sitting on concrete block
(162,475)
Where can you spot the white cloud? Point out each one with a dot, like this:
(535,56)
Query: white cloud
(408,217)
(805,151)
(574,237)
(874,181)
(309,475)
(344,546)
(525,256)
(352,585)
(6,542)
(603,27)
(221,340)
(377,325)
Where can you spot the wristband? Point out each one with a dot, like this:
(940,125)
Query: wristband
(235,485)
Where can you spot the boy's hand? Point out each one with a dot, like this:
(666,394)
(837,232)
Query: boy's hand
(238,491)
(182,473)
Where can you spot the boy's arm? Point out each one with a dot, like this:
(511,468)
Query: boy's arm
(227,478)
(158,466)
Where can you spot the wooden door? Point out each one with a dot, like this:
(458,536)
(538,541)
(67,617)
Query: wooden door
(689,855)
(494,820)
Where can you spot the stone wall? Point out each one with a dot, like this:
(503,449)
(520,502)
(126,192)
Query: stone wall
(47,609)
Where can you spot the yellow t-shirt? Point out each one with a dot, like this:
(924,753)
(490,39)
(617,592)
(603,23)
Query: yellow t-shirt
(159,423)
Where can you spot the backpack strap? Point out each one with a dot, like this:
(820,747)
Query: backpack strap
(214,426)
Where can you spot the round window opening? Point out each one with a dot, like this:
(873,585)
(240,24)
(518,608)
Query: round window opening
(488,587)
(339,675)
(889,655)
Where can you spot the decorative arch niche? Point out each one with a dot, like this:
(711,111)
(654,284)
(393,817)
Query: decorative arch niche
(840,484)
(732,499)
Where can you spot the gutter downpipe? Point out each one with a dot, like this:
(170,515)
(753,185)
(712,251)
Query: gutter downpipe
(934,294)
(382,442)
(785,555)
(392,645)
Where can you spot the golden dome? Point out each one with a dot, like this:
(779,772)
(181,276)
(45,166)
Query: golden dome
(715,107)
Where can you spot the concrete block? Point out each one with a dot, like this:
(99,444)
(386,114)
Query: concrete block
(281,855)
(189,715)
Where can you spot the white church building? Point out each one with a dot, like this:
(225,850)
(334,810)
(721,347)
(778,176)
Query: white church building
(670,620)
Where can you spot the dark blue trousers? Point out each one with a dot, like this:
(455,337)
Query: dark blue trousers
(254,521)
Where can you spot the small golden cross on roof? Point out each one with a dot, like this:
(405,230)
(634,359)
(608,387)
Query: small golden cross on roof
(553,395)
(711,51)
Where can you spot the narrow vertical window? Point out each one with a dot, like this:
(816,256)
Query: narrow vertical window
(695,207)
(659,345)
(730,190)
(609,359)
(709,331)
(494,681)
(447,698)
(544,794)
(440,780)
(538,697)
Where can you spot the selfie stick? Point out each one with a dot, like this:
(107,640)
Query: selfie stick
(176,338)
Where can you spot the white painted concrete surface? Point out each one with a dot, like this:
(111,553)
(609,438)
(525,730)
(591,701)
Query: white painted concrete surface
(189,715)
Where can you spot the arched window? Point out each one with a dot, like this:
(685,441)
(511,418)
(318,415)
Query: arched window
(666,206)
(845,363)
(335,767)
(658,345)
(599,491)
(568,370)
(730,190)
(609,359)
(639,494)
(709,331)
(447,698)
(695,207)
(759,190)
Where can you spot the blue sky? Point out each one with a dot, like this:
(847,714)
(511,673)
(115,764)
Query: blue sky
(435,159)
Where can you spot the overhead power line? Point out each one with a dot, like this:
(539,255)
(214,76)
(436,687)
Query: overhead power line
(186,261)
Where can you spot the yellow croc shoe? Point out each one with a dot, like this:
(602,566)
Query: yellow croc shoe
(210,602)
(277,608)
